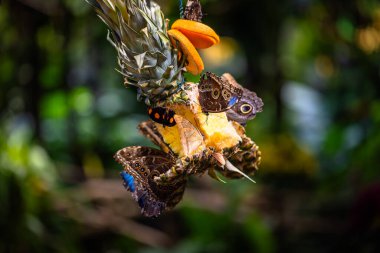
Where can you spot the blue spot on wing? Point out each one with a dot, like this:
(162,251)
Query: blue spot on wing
(150,205)
(232,101)
(129,181)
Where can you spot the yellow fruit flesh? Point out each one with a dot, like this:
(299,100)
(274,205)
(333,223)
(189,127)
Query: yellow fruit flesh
(218,131)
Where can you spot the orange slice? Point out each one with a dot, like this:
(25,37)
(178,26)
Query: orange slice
(194,61)
(200,35)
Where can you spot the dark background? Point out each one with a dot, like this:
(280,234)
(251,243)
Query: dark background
(64,112)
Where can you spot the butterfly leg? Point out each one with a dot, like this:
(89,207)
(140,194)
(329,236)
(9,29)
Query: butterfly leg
(206,113)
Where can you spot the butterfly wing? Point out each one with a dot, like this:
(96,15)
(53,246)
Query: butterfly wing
(191,138)
(216,94)
(149,129)
(246,109)
(162,115)
(193,11)
(248,105)
(141,165)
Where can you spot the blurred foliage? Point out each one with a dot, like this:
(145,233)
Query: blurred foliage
(64,112)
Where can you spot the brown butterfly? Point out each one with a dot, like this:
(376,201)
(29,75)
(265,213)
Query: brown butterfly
(193,148)
(248,105)
(193,11)
(191,138)
(217,94)
(141,166)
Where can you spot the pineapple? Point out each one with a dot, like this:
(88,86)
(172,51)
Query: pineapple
(146,57)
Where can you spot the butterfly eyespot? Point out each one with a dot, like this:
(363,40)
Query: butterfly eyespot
(215,93)
(145,174)
(226,95)
(142,169)
(137,165)
(246,108)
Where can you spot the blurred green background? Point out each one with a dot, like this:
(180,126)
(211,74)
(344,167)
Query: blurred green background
(64,112)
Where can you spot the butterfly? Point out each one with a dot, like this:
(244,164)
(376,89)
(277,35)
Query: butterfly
(192,145)
(190,136)
(193,11)
(248,105)
(162,115)
(141,166)
(217,94)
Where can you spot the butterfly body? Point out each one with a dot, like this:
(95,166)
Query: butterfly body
(162,115)
(141,166)
(216,94)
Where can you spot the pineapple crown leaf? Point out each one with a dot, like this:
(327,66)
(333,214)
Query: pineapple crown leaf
(147,60)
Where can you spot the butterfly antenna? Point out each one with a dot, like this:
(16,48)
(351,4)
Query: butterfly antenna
(229,166)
